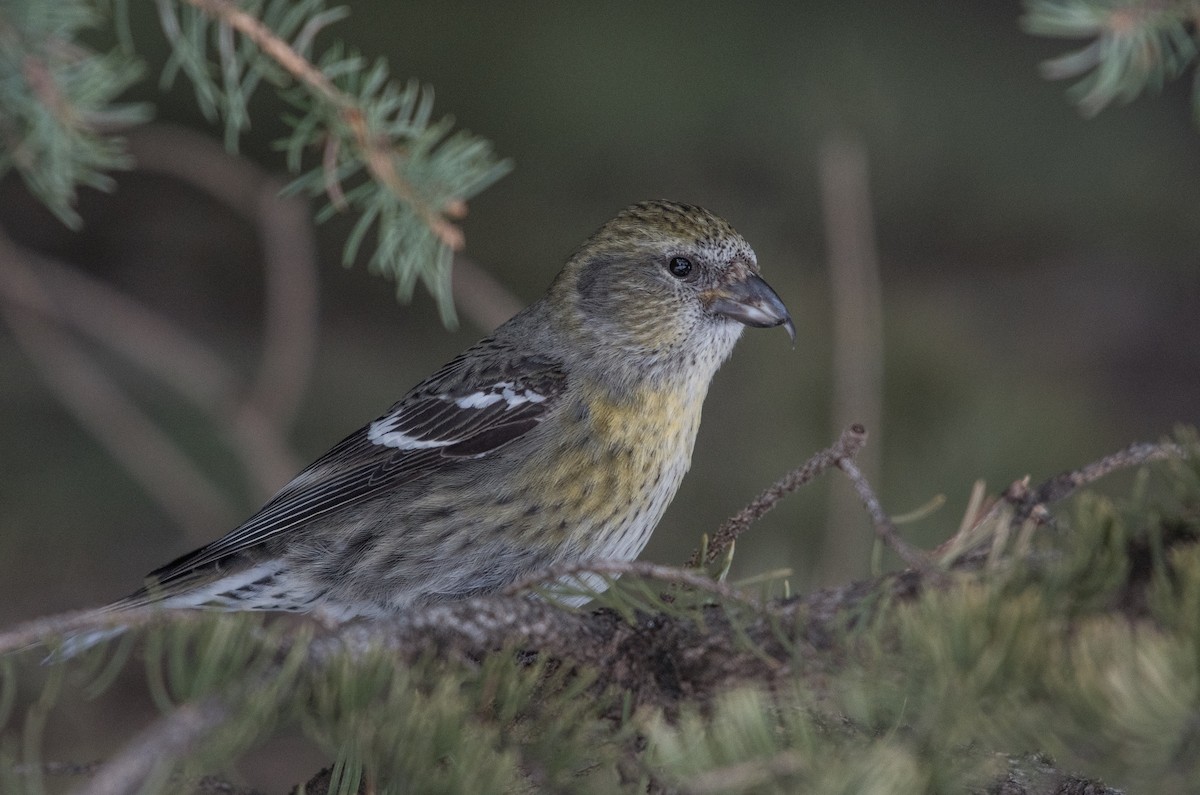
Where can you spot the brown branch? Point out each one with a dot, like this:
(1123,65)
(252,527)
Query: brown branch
(285,233)
(70,297)
(277,49)
(291,310)
(40,79)
(846,447)
(659,659)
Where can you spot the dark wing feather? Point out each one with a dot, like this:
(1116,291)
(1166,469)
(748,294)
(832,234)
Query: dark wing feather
(462,411)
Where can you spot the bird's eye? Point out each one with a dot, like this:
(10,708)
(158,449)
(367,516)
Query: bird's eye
(680,267)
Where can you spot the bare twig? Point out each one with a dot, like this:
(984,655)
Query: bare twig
(846,447)
(1026,507)
(885,528)
(291,314)
(70,297)
(1030,504)
(255,425)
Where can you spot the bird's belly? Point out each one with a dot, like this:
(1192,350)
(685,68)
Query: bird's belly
(617,482)
(597,491)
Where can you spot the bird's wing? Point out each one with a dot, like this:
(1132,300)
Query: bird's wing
(463,411)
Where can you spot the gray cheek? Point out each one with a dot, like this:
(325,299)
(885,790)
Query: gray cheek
(594,289)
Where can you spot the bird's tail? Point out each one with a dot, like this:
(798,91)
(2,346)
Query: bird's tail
(255,587)
(74,645)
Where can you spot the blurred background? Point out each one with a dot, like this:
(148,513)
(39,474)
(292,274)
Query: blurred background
(1038,273)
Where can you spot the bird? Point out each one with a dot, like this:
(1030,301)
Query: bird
(560,437)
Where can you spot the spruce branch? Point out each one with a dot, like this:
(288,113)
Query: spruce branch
(406,177)
(58,113)
(418,176)
(1136,45)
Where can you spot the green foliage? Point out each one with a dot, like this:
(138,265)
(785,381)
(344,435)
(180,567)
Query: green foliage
(500,727)
(223,89)
(57,98)
(1083,649)
(431,171)
(360,138)
(1135,46)
(1088,650)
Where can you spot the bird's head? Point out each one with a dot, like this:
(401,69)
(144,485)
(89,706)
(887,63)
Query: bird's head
(663,281)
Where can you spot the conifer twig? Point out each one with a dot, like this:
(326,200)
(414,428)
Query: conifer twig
(1028,506)
(376,151)
(846,447)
